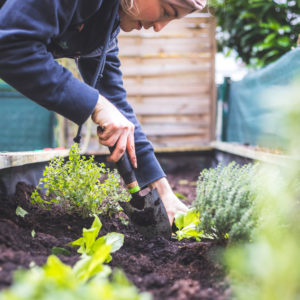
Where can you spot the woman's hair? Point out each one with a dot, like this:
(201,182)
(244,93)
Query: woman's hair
(128,6)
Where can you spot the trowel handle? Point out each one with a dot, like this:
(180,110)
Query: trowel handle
(126,171)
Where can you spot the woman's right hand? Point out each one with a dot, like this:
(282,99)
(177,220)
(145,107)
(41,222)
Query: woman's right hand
(114,130)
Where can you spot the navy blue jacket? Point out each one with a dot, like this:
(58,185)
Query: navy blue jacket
(33,33)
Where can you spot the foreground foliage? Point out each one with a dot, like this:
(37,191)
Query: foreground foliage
(225,201)
(88,279)
(75,185)
(269,268)
(260,31)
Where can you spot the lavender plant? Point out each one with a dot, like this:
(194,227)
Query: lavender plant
(225,201)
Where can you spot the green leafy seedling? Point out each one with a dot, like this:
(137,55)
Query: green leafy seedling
(20,212)
(187,223)
(89,244)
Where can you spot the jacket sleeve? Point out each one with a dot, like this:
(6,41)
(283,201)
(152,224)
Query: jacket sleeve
(26,27)
(111,87)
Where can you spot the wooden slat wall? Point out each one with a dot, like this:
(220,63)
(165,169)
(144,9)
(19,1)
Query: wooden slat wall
(169,78)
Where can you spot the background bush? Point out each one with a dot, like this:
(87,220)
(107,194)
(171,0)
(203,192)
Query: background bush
(260,31)
(225,201)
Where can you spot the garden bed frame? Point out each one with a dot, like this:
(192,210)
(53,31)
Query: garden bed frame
(17,166)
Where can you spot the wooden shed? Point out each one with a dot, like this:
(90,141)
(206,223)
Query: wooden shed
(169,78)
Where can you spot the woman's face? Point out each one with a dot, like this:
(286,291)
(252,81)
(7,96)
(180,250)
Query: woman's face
(148,13)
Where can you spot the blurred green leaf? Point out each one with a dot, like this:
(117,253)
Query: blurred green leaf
(20,212)
(59,250)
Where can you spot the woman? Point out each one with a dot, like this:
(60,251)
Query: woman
(33,33)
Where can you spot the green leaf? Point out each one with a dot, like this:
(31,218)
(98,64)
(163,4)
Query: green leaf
(89,244)
(61,273)
(283,41)
(33,233)
(187,223)
(179,219)
(116,240)
(89,266)
(21,212)
(87,241)
(180,196)
(59,250)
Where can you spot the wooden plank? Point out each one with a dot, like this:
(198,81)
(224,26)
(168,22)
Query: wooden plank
(171,55)
(183,148)
(202,33)
(166,70)
(169,106)
(180,141)
(158,62)
(244,151)
(14,159)
(167,91)
(198,120)
(167,85)
(174,129)
(187,79)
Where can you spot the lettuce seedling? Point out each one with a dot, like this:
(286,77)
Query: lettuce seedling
(20,212)
(187,223)
(89,244)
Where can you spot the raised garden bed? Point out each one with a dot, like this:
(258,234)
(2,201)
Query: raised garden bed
(167,269)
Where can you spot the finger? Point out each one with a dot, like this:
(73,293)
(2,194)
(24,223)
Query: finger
(119,149)
(131,150)
(109,142)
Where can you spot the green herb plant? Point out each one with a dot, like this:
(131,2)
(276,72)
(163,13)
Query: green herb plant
(80,186)
(225,201)
(88,279)
(188,224)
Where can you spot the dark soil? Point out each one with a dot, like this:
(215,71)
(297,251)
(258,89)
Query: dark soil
(167,269)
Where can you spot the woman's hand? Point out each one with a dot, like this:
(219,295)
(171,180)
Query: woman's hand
(171,202)
(114,130)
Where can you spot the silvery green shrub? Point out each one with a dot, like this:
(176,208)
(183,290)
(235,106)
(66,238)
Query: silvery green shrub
(225,201)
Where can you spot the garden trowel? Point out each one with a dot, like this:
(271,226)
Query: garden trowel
(145,209)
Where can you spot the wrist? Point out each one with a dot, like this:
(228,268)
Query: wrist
(97,109)
(162,185)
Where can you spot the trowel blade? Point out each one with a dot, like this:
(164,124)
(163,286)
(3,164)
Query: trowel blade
(152,220)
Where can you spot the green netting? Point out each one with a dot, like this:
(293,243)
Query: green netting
(253,117)
(24,124)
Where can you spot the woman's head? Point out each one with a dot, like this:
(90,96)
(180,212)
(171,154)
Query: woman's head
(137,14)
